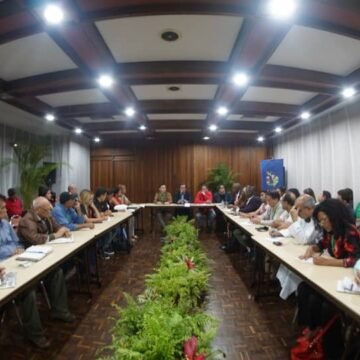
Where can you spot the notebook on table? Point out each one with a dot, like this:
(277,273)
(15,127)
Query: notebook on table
(34,253)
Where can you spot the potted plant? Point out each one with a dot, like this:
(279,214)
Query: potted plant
(220,175)
(32,171)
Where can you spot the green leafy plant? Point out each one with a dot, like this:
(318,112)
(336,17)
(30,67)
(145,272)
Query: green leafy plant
(170,312)
(32,172)
(220,175)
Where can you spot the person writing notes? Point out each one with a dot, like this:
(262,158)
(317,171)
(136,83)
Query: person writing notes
(339,246)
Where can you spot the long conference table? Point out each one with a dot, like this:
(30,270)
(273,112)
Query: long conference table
(322,278)
(30,276)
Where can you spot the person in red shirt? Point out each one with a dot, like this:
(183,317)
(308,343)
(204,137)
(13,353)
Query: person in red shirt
(14,205)
(205,217)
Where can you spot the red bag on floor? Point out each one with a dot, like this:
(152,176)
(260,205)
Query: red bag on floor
(306,349)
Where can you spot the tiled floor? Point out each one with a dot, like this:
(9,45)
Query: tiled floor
(247,330)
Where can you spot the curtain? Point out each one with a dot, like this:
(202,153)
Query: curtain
(73,153)
(324,154)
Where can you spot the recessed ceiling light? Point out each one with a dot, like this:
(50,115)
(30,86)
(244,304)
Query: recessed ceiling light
(281,9)
(97,139)
(78,130)
(213,127)
(129,111)
(142,127)
(240,79)
(278,129)
(53,14)
(174,88)
(170,35)
(222,111)
(15,145)
(260,139)
(206,138)
(348,92)
(105,81)
(305,115)
(50,117)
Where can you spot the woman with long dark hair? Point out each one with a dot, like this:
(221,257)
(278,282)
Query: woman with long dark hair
(341,244)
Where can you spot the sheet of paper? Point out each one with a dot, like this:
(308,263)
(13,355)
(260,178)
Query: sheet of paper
(8,280)
(307,261)
(272,239)
(347,285)
(62,240)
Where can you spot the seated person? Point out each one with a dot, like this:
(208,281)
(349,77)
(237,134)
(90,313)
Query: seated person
(165,198)
(72,189)
(183,197)
(125,200)
(10,246)
(252,202)
(310,191)
(92,215)
(325,195)
(236,192)
(207,215)
(273,212)
(303,229)
(88,209)
(45,192)
(67,213)
(346,196)
(222,196)
(14,205)
(101,202)
(285,219)
(115,197)
(341,243)
(295,191)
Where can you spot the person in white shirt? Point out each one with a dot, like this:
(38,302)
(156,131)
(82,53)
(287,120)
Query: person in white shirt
(272,213)
(305,231)
(285,219)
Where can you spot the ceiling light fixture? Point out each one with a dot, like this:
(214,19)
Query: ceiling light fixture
(53,14)
(281,9)
(50,117)
(222,111)
(278,129)
(260,139)
(15,145)
(305,115)
(78,130)
(170,35)
(142,127)
(240,79)
(206,138)
(213,127)
(129,112)
(97,139)
(348,92)
(174,88)
(105,81)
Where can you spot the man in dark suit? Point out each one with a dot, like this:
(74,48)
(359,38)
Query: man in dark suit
(183,197)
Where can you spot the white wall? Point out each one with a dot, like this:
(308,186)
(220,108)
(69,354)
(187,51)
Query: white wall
(325,153)
(72,152)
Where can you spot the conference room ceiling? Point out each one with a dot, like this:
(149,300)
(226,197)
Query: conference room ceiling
(176,87)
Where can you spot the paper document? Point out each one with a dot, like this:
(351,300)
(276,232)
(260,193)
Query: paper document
(272,239)
(347,285)
(34,253)
(62,240)
(8,280)
(307,261)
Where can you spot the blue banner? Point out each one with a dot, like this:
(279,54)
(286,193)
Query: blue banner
(272,174)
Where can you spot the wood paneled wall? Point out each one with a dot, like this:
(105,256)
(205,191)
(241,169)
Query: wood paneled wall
(144,168)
